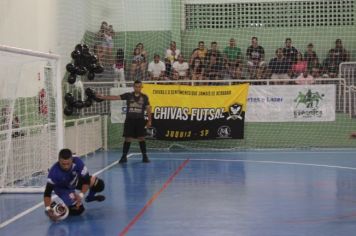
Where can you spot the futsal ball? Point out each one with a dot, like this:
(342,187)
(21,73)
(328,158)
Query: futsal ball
(60,210)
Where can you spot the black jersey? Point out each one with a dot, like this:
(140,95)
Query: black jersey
(136,105)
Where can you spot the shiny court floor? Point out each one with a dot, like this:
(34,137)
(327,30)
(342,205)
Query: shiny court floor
(252,193)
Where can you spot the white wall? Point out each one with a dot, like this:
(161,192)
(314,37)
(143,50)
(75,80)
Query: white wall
(56,26)
(25,24)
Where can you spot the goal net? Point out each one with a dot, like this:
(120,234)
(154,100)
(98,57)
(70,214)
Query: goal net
(234,40)
(30,121)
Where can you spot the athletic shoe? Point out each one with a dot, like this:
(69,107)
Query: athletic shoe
(145,159)
(123,159)
(98,198)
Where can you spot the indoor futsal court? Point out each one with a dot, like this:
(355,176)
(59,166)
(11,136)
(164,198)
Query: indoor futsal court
(248,193)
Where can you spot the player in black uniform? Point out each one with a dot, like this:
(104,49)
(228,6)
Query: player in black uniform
(134,127)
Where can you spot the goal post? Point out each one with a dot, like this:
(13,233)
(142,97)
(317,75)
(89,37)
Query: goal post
(31,124)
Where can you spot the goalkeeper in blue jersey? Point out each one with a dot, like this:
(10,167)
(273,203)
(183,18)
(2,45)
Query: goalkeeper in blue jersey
(70,180)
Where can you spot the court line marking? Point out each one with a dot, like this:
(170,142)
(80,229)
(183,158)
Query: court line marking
(28,211)
(153,198)
(264,152)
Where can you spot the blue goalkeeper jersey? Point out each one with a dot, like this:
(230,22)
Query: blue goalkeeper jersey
(67,179)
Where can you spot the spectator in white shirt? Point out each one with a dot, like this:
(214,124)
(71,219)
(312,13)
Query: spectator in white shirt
(180,69)
(156,68)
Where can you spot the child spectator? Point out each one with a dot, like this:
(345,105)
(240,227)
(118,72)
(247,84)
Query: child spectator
(304,78)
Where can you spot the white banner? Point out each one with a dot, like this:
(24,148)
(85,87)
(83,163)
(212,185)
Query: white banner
(118,108)
(291,103)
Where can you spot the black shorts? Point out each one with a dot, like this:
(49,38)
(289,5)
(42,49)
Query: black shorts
(134,128)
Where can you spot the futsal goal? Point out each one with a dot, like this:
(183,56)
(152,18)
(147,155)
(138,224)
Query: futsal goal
(31,130)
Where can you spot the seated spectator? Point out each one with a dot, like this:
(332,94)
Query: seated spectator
(300,66)
(119,68)
(232,57)
(279,66)
(200,52)
(290,52)
(232,54)
(197,69)
(214,62)
(156,68)
(235,71)
(341,54)
(315,72)
(255,59)
(331,64)
(136,64)
(180,69)
(304,78)
(310,56)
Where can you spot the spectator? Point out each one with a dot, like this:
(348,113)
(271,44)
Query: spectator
(109,42)
(5,120)
(156,68)
(200,52)
(171,56)
(315,72)
(279,66)
(305,78)
(232,54)
(180,69)
(255,59)
(290,52)
(214,62)
(300,66)
(100,35)
(235,71)
(136,64)
(331,64)
(197,69)
(98,52)
(172,52)
(232,57)
(169,70)
(119,68)
(105,40)
(310,56)
(341,54)
(144,55)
